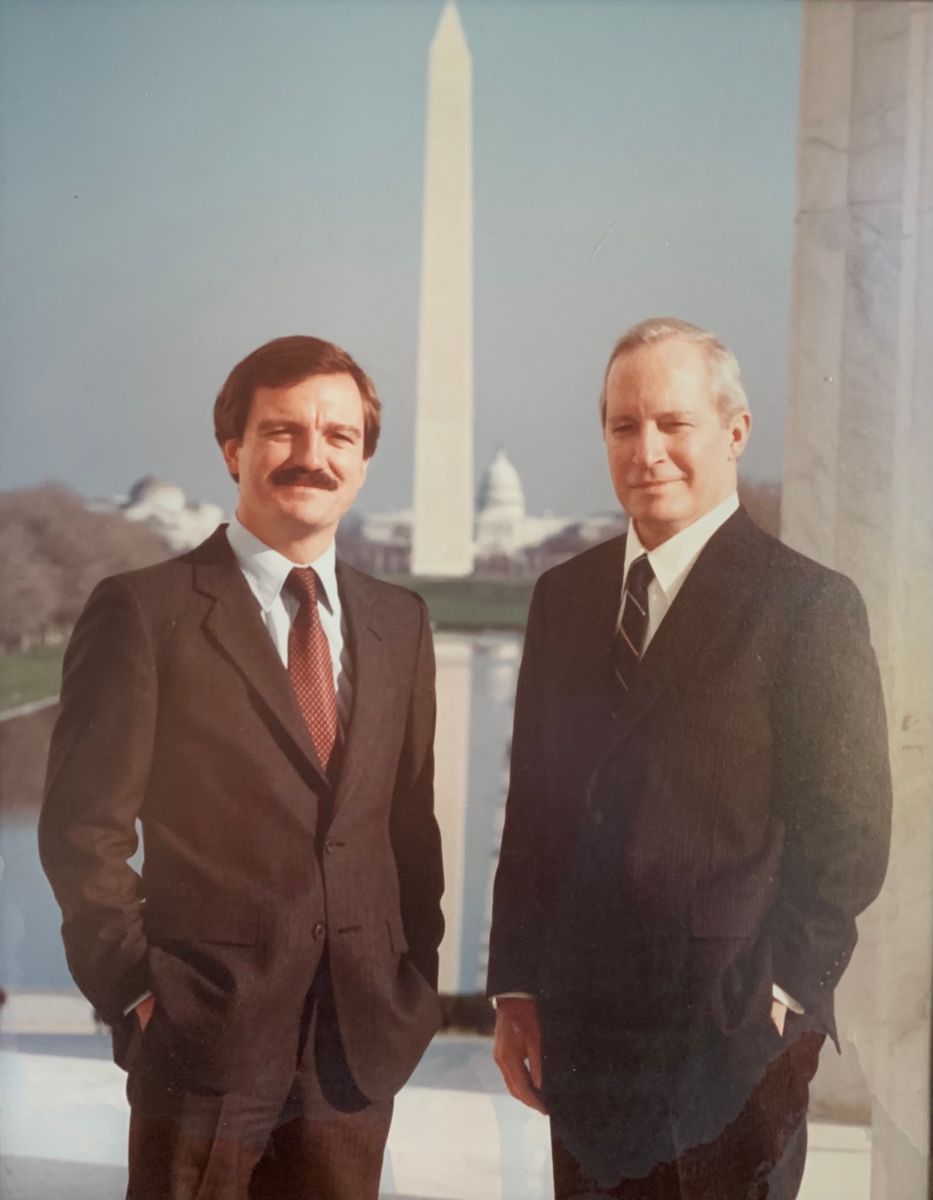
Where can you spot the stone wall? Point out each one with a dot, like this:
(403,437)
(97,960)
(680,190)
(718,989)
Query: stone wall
(858,495)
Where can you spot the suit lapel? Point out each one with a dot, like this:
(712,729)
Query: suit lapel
(372,676)
(236,627)
(602,615)
(598,606)
(719,584)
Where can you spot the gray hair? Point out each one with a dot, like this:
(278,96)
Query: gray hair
(725,376)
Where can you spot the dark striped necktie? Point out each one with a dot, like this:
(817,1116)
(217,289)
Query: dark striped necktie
(633,622)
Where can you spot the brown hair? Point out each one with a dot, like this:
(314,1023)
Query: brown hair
(284,361)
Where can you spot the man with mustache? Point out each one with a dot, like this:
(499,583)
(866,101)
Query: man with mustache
(266,714)
(699,807)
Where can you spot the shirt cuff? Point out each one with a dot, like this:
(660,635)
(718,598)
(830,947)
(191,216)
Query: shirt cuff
(135,1003)
(787,1000)
(494,1000)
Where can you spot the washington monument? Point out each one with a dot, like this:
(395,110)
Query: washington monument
(442,541)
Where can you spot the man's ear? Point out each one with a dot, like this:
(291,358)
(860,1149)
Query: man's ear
(231,453)
(740,426)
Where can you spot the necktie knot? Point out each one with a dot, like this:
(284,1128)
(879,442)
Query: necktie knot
(640,575)
(302,583)
(633,622)
(309,663)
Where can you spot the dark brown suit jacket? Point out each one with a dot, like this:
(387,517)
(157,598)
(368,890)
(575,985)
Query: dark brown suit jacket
(670,853)
(177,713)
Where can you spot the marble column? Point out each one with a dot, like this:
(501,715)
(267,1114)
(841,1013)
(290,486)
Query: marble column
(858,487)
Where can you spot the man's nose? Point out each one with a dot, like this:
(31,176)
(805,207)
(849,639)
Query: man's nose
(649,447)
(311,449)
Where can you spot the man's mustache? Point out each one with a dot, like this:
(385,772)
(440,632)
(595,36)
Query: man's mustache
(290,476)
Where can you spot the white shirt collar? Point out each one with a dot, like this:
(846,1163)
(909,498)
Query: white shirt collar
(266,569)
(672,560)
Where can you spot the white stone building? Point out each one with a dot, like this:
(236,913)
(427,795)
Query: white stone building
(503,529)
(165,509)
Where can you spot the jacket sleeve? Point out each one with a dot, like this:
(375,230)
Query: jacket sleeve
(415,836)
(95,783)
(516,936)
(833,790)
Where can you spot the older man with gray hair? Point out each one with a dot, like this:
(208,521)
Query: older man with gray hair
(699,807)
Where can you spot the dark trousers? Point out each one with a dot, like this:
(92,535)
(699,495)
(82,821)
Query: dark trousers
(759,1156)
(306,1158)
(323,1140)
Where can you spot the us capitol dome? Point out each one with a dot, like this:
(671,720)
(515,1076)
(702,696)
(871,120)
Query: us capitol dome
(163,506)
(507,539)
(503,526)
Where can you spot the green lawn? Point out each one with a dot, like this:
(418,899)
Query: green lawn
(33,675)
(468,604)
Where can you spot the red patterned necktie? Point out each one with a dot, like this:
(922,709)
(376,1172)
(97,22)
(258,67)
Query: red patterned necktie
(309,664)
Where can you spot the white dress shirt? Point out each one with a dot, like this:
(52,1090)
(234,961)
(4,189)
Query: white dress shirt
(672,560)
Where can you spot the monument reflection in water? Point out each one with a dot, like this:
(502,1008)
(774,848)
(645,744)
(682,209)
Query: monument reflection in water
(476,675)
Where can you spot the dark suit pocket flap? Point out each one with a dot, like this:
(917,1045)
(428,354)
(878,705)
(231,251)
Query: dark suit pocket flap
(194,920)
(397,932)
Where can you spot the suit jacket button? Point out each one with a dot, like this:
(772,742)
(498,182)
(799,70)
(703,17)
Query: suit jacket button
(319,930)
(330,846)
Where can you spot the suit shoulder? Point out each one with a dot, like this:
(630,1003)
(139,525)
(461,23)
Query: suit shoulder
(391,597)
(592,563)
(160,585)
(796,572)
(809,597)
(144,579)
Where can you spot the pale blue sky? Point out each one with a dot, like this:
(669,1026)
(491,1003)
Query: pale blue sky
(183,179)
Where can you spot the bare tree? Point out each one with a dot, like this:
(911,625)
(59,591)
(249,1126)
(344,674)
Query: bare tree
(54,550)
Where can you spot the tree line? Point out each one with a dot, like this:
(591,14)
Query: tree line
(53,550)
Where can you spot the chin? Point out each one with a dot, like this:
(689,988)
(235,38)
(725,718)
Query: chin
(304,507)
(296,521)
(659,512)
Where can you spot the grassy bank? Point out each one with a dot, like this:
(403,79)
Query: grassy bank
(32,675)
(473,604)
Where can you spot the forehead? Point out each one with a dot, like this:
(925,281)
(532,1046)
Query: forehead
(671,373)
(336,397)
